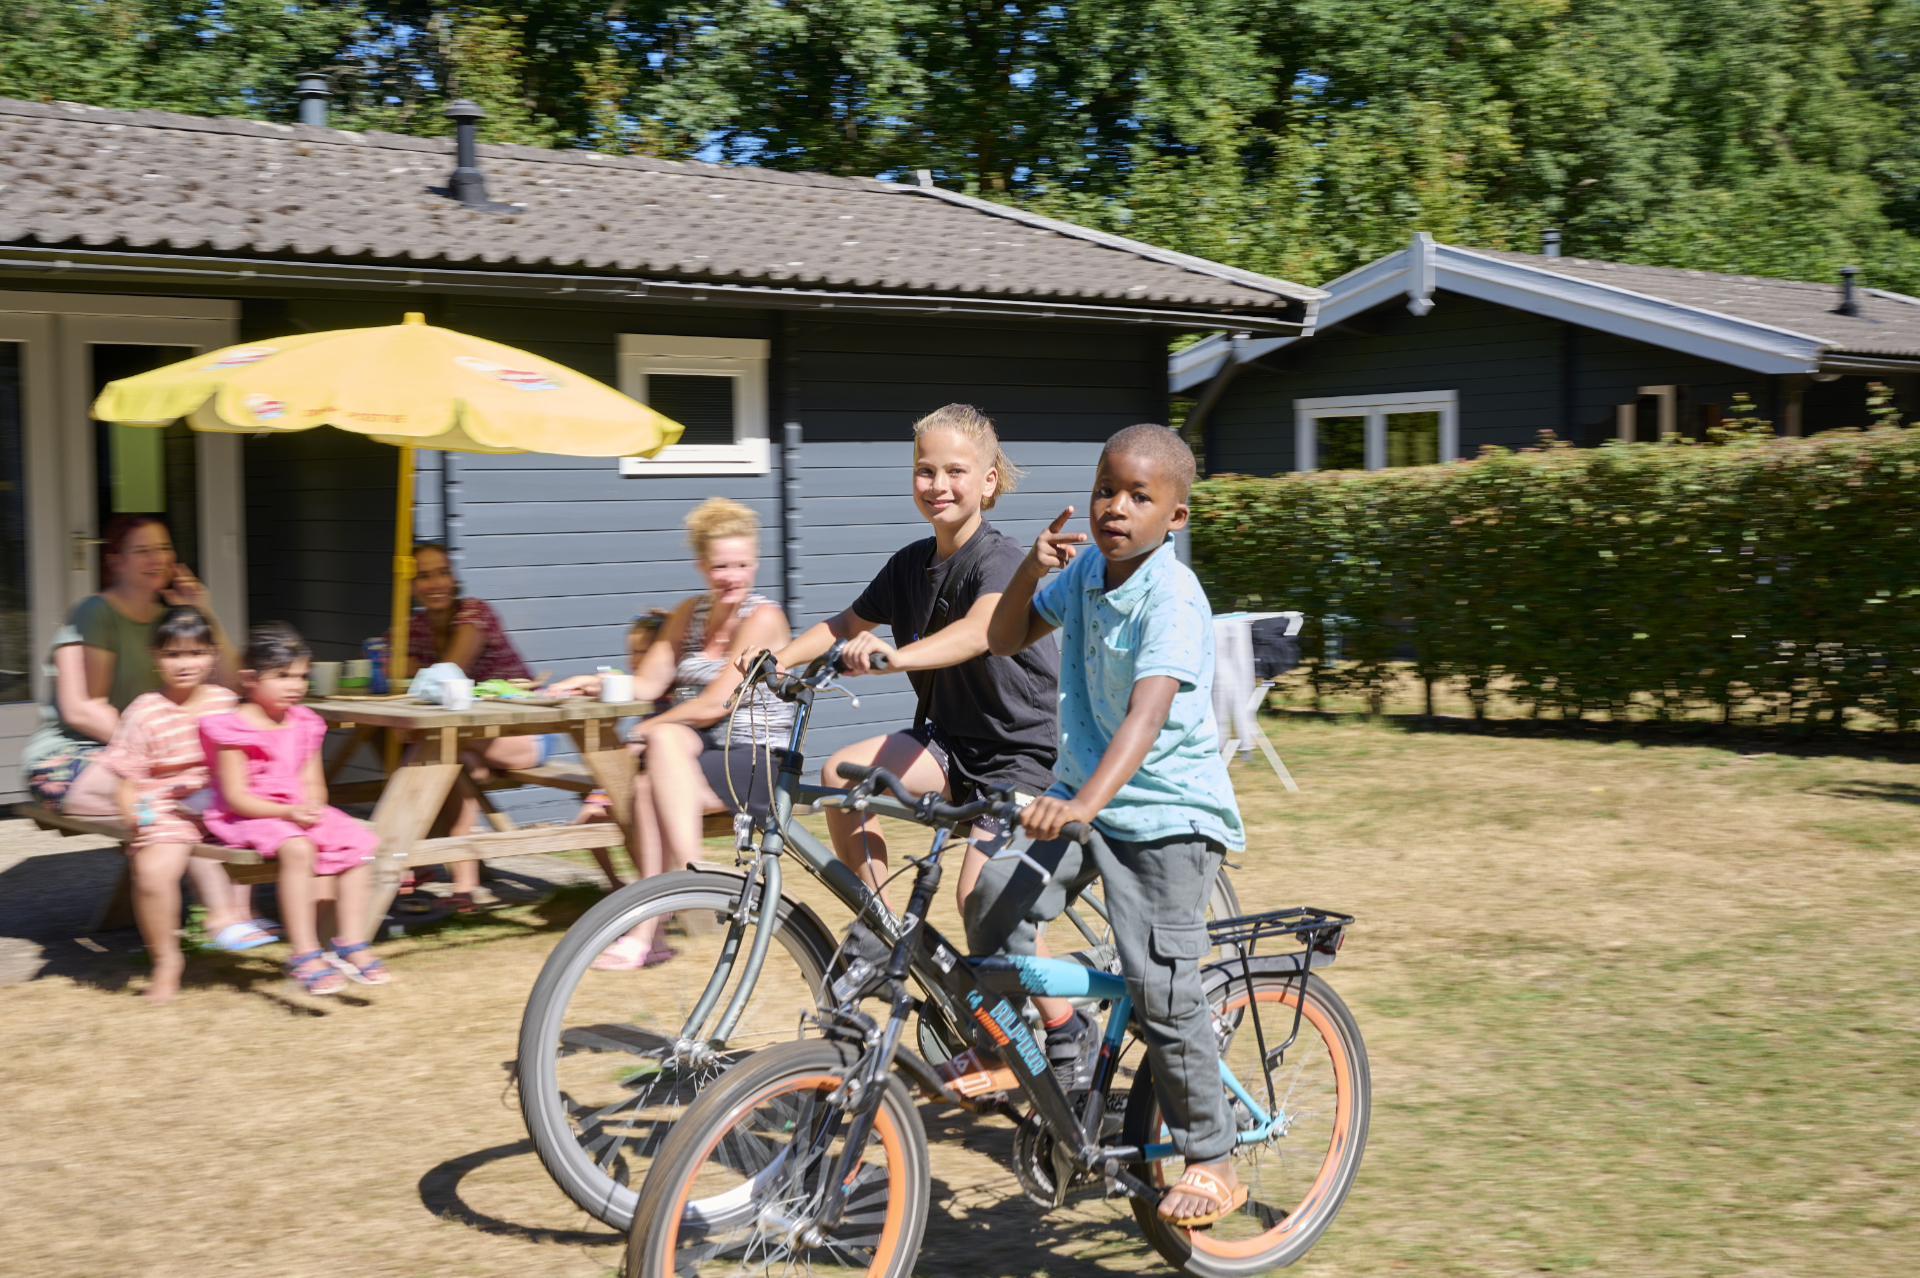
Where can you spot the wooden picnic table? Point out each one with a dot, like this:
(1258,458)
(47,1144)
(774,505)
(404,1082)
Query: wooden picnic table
(432,739)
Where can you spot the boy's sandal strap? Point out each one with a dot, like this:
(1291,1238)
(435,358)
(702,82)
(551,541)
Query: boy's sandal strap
(1199,1180)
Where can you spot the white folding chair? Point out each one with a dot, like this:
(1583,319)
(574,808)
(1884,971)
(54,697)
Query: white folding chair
(1233,664)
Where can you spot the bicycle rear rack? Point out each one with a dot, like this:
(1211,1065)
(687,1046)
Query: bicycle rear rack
(1316,929)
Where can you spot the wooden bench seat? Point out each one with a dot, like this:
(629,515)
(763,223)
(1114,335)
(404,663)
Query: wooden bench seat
(247,866)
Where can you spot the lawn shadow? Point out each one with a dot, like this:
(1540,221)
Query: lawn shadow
(440,1195)
(1869,791)
(989,1226)
(1740,738)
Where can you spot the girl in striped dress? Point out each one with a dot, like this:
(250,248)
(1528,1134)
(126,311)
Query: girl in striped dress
(162,775)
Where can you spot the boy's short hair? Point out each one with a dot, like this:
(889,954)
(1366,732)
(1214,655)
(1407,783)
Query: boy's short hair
(1161,444)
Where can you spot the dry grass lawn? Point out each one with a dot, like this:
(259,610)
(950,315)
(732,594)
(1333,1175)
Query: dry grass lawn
(1632,1009)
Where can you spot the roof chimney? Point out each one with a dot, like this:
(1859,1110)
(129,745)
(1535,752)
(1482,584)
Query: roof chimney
(311,88)
(467,184)
(923,177)
(1550,243)
(1849,304)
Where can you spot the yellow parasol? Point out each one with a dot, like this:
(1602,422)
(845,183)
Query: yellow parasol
(409,384)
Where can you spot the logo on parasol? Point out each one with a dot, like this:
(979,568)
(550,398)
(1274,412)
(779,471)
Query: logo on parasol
(241,356)
(518,378)
(265,408)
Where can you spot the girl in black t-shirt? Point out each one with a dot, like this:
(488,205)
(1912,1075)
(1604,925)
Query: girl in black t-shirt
(981,720)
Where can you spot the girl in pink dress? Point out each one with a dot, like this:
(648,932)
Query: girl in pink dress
(270,794)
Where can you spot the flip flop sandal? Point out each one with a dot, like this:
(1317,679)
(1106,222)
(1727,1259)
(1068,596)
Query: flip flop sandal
(236,937)
(974,1074)
(1198,1180)
(624,956)
(322,980)
(374,972)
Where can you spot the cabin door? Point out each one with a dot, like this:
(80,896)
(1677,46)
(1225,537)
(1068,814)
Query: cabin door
(63,476)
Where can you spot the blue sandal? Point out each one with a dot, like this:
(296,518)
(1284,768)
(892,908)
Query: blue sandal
(322,971)
(373,973)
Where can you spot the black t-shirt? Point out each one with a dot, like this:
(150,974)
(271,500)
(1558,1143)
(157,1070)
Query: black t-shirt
(999,716)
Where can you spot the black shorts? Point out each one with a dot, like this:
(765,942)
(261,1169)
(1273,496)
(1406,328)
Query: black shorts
(962,788)
(751,772)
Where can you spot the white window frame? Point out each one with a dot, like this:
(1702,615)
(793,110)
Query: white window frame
(741,358)
(1375,409)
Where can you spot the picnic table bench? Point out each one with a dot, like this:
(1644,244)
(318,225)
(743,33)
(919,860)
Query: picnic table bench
(407,801)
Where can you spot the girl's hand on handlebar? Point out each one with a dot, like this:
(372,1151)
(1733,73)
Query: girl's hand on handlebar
(857,655)
(1047,816)
(745,662)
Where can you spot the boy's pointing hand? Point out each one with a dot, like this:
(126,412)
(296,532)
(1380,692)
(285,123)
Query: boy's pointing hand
(1054,549)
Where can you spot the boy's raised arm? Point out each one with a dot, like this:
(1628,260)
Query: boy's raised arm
(1015,625)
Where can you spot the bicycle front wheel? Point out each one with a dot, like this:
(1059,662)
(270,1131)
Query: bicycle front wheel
(1321,1097)
(604,1073)
(737,1187)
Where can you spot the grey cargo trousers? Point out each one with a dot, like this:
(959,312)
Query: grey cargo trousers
(1156,895)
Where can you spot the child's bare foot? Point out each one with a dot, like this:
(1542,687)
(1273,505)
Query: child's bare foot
(165,981)
(1207,1192)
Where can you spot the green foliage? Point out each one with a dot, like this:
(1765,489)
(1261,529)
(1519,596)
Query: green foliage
(1300,137)
(1772,579)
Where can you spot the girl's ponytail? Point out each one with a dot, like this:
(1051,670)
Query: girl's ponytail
(966,420)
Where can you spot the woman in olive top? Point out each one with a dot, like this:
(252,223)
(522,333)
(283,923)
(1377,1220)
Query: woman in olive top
(102,660)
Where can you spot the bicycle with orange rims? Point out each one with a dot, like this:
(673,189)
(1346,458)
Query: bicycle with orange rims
(811,1154)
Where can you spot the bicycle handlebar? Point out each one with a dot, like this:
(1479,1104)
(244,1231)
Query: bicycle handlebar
(931,809)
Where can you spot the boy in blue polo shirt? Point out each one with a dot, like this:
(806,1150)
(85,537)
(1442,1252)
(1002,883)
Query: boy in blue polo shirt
(1139,761)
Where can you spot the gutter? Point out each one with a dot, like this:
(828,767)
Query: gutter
(44,264)
(1201,416)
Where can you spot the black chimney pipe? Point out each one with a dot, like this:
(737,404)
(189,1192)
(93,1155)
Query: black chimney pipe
(311,88)
(1849,304)
(468,185)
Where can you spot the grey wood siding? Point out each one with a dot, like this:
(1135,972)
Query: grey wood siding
(1516,374)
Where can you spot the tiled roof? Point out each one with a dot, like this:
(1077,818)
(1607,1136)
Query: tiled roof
(77,176)
(1888,323)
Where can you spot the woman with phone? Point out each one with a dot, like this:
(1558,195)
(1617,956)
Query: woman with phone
(103,659)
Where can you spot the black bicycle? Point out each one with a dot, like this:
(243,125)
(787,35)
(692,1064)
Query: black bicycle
(811,1154)
(609,1060)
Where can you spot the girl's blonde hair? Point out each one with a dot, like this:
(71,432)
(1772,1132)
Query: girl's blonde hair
(719,517)
(970,422)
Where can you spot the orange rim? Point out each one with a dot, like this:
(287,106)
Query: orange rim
(883,1126)
(1200,1239)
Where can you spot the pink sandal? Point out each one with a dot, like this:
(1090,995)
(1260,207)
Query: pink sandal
(625,955)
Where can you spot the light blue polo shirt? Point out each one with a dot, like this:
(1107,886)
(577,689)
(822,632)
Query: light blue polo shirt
(1158,622)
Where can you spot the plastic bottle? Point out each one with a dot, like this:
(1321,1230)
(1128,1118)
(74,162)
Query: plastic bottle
(376,651)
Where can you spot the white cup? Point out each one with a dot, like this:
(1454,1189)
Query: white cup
(456,694)
(323,678)
(616,687)
(360,668)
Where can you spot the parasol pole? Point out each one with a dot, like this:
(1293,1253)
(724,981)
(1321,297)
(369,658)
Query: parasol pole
(402,590)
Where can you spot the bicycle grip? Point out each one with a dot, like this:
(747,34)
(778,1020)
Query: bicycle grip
(877,660)
(1077,831)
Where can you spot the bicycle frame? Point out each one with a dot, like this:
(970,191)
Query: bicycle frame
(783,835)
(981,986)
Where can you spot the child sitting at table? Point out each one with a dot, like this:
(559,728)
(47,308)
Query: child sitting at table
(162,767)
(595,809)
(270,794)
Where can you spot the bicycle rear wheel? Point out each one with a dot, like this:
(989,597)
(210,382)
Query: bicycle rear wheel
(602,1076)
(755,1159)
(1298,1177)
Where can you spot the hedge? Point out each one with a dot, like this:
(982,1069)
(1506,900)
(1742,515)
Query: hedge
(1770,580)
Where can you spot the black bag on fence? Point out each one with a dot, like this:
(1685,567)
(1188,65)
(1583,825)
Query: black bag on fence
(1274,651)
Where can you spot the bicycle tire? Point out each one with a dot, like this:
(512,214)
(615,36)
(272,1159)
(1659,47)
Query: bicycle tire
(777,1093)
(1286,1212)
(580,1137)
